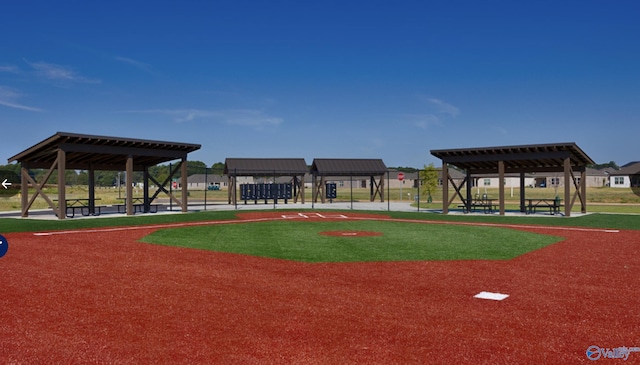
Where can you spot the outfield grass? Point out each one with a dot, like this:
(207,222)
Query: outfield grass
(302,241)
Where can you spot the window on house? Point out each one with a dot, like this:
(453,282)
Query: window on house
(487,182)
(618,180)
(555,181)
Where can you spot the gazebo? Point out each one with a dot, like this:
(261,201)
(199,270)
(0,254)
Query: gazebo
(68,151)
(294,168)
(566,158)
(321,168)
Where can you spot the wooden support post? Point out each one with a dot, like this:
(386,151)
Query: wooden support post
(567,187)
(38,187)
(129,186)
(583,191)
(185,193)
(445,188)
(62,199)
(145,190)
(92,190)
(377,188)
(501,186)
(469,197)
(522,193)
(24,189)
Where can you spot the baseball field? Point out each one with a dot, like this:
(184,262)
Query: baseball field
(319,287)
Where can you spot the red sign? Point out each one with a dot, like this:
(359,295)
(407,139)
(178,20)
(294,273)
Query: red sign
(400,176)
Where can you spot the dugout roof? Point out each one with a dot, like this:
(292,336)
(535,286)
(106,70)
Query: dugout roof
(348,167)
(265,166)
(101,152)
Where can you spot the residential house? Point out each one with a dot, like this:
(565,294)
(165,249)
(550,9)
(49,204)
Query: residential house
(627,177)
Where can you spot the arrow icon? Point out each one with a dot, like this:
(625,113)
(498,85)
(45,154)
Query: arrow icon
(5,184)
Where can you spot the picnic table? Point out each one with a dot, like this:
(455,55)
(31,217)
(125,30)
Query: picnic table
(553,205)
(84,205)
(485,204)
(138,205)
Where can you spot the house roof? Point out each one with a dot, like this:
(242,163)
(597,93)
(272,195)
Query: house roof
(265,166)
(101,152)
(521,158)
(202,178)
(632,168)
(348,167)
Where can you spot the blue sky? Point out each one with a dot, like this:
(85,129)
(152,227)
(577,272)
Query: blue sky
(329,79)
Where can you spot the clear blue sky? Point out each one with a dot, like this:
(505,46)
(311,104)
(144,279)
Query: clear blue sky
(324,79)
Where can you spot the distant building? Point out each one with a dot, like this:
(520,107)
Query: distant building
(627,177)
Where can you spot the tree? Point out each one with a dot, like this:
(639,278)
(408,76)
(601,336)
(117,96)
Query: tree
(217,168)
(195,167)
(600,166)
(429,179)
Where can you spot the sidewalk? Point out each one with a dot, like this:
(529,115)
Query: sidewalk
(47,214)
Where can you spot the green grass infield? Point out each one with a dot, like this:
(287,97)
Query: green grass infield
(396,241)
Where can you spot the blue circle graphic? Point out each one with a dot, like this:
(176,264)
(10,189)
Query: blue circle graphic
(593,353)
(4,246)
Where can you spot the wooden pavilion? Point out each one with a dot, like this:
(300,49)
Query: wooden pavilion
(566,158)
(68,151)
(294,168)
(374,169)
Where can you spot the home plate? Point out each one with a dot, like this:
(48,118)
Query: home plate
(492,296)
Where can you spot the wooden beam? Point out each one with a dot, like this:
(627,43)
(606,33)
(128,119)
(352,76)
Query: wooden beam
(145,190)
(501,186)
(583,190)
(129,186)
(39,187)
(184,185)
(457,188)
(161,187)
(469,193)
(232,194)
(62,199)
(377,188)
(523,208)
(92,190)
(567,187)
(547,155)
(115,150)
(445,188)
(24,189)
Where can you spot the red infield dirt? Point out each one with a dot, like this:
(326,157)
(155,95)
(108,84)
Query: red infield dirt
(103,297)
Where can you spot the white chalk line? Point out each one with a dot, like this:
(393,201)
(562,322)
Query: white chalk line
(155,226)
(306,216)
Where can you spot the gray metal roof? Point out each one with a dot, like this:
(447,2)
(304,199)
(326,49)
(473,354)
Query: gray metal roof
(632,168)
(208,178)
(101,152)
(265,166)
(527,158)
(348,167)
